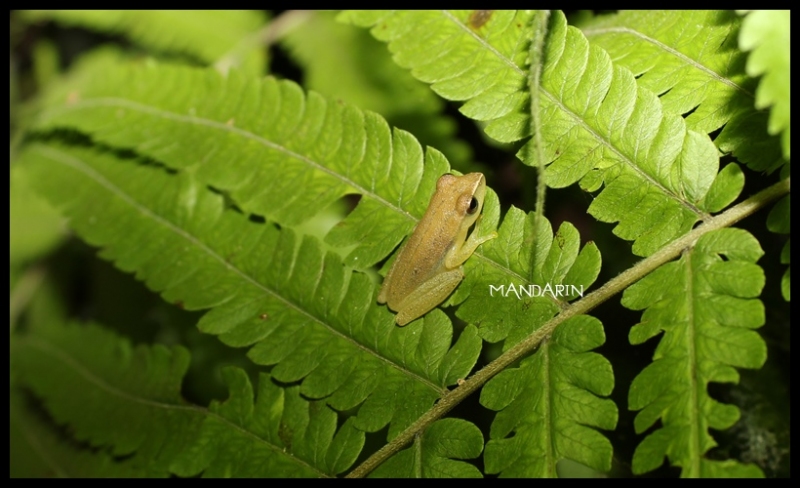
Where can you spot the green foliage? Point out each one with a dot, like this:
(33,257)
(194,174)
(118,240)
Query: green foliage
(705,305)
(668,53)
(432,454)
(550,404)
(76,369)
(209,185)
(484,68)
(557,262)
(40,450)
(766,34)
(331,149)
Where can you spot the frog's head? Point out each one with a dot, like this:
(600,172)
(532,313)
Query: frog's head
(466,196)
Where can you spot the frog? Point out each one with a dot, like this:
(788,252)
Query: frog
(429,266)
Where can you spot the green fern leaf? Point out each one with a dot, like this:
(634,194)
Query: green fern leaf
(299,308)
(550,404)
(282,434)
(38,451)
(205,35)
(726,187)
(464,58)
(596,120)
(93,382)
(128,400)
(766,34)
(669,52)
(235,133)
(78,369)
(433,454)
(705,305)
(691,59)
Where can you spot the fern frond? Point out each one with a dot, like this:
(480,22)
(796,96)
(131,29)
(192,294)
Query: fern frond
(206,35)
(91,381)
(433,454)
(127,400)
(465,56)
(299,308)
(38,451)
(705,303)
(689,57)
(766,33)
(550,404)
(691,60)
(599,126)
(76,369)
(236,133)
(282,434)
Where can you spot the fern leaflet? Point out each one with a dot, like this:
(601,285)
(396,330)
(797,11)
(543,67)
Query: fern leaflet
(433,454)
(94,381)
(767,34)
(550,404)
(691,60)
(706,306)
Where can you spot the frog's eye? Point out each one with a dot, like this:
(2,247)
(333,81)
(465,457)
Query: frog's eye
(473,206)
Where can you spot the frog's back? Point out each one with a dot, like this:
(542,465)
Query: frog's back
(419,260)
(445,221)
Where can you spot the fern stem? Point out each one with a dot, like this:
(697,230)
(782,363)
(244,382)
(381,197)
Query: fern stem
(693,468)
(580,307)
(536,62)
(265,37)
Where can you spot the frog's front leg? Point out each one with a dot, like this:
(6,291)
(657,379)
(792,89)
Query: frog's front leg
(458,255)
(428,295)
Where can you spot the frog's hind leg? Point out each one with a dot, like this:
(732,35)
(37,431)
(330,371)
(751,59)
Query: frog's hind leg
(428,295)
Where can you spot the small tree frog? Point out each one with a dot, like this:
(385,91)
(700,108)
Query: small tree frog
(428,266)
